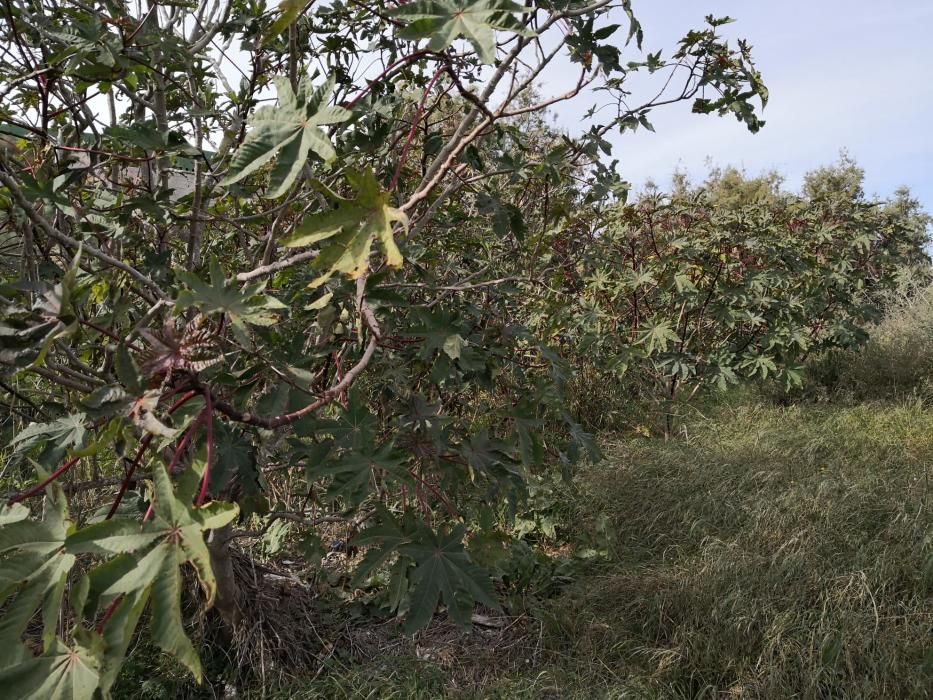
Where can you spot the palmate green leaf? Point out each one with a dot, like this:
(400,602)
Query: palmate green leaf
(446,20)
(527,425)
(356,427)
(725,376)
(350,230)
(656,335)
(65,433)
(291,131)
(33,570)
(41,586)
(435,327)
(398,585)
(235,460)
(111,537)
(167,628)
(382,541)
(150,556)
(351,474)
(482,452)
(387,531)
(118,634)
(222,295)
(63,672)
(759,365)
(444,571)
(157,574)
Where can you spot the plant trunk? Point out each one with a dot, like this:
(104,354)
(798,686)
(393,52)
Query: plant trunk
(226,601)
(669,417)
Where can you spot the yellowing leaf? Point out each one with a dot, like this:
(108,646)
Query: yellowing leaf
(290,10)
(453,345)
(350,230)
(319,303)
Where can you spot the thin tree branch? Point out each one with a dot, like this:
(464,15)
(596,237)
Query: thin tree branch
(20,199)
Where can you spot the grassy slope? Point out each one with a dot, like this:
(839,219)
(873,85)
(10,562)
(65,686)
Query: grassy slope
(775,553)
(778,553)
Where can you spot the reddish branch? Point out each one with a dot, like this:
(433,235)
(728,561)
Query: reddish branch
(108,613)
(143,445)
(38,489)
(82,486)
(212,402)
(436,491)
(414,125)
(327,397)
(128,479)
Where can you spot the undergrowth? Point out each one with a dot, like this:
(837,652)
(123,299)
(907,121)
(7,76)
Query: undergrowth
(772,552)
(896,362)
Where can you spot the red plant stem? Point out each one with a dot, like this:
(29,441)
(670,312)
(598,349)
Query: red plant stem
(437,492)
(209,418)
(143,444)
(414,125)
(425,506)
(177,455)
(108,613)
(150,510)
(38,489)
(183,444)
(182,401)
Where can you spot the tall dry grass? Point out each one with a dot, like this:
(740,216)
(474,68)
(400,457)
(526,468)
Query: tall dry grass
(776,553)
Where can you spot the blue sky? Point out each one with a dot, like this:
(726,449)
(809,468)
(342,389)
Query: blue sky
(853,74)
